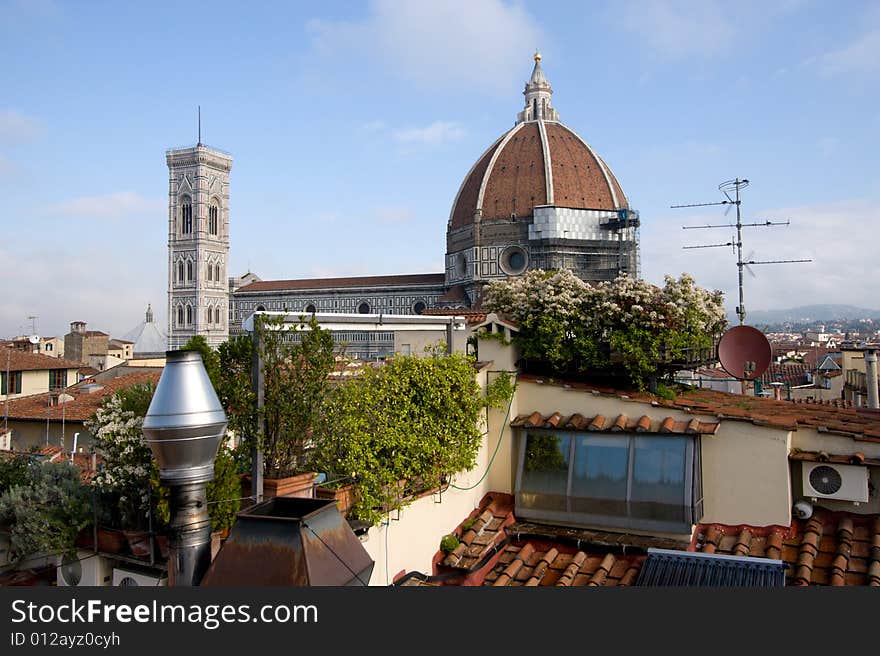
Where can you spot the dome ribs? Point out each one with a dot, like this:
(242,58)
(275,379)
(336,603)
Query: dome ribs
(510,184)
(578,180)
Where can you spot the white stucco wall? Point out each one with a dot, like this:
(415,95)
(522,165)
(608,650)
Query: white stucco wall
(746,475)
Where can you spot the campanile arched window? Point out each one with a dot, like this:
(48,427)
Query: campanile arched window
(186,215)
(213,213)
(179,315)
(189,314)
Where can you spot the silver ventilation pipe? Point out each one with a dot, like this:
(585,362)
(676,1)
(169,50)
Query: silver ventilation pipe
(184,427)
(871,378)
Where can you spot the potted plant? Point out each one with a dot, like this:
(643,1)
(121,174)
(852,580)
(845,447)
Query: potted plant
(295,362)
(341,490)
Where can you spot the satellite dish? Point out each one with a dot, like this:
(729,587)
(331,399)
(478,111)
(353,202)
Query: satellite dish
(744,352)
(34,339)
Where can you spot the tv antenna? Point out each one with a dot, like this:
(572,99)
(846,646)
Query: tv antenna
(33,319)
(731,190)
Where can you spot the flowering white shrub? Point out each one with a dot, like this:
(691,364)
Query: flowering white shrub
(126,459)
(573,325)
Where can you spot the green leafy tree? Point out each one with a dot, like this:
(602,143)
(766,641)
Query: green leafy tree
(413,420)
(210,357)
(236,392)
(296,362)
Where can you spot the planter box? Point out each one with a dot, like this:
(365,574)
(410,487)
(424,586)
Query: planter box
(344,496)
(301,485)
(110,540)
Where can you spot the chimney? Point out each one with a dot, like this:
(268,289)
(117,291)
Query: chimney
(183,427)
(291,541)
(871,378)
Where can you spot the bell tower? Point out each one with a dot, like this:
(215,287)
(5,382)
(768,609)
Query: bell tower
(198,244)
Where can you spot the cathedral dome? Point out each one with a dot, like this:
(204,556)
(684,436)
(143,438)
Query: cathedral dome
(539,161)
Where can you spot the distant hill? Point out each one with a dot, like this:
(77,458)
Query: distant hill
(808,313)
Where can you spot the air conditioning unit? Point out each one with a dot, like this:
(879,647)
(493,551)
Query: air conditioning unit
(824,480)
(85,568)
(128,579)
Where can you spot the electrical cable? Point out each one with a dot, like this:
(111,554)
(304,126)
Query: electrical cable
(497,445)
(338,557)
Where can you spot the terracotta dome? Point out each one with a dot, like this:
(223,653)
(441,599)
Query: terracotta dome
(537,162)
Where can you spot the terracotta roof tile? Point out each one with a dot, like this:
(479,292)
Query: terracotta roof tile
(82,406)
(831,548)
(599,423)
(19,360)
(422,279)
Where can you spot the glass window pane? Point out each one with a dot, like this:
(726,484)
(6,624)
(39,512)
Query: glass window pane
(598,481)
(659,478)
(545,471)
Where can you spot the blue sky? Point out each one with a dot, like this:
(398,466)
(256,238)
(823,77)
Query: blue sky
(352,125)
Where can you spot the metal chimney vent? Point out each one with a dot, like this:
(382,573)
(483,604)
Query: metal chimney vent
(183,427)
(185,422)
(291,541)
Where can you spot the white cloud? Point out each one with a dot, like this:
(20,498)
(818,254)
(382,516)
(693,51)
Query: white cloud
(482,43)
(116,205)
(834,236)
(16,126)
(93,282)
(394,214)
(683,28)
(678,28)
(435,134)
(861,56)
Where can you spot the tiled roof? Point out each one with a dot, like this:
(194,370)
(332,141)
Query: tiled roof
(354,282)
(82,406)
(857,458)
(794,374)
(642,424)
(471,316)
(831,548)
(24,361)
(497,550)
(858,423)
(455,294)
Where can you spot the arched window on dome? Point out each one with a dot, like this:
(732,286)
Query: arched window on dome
(213,212)
(186,215)
(543,107)
(534,108)
(364,308)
